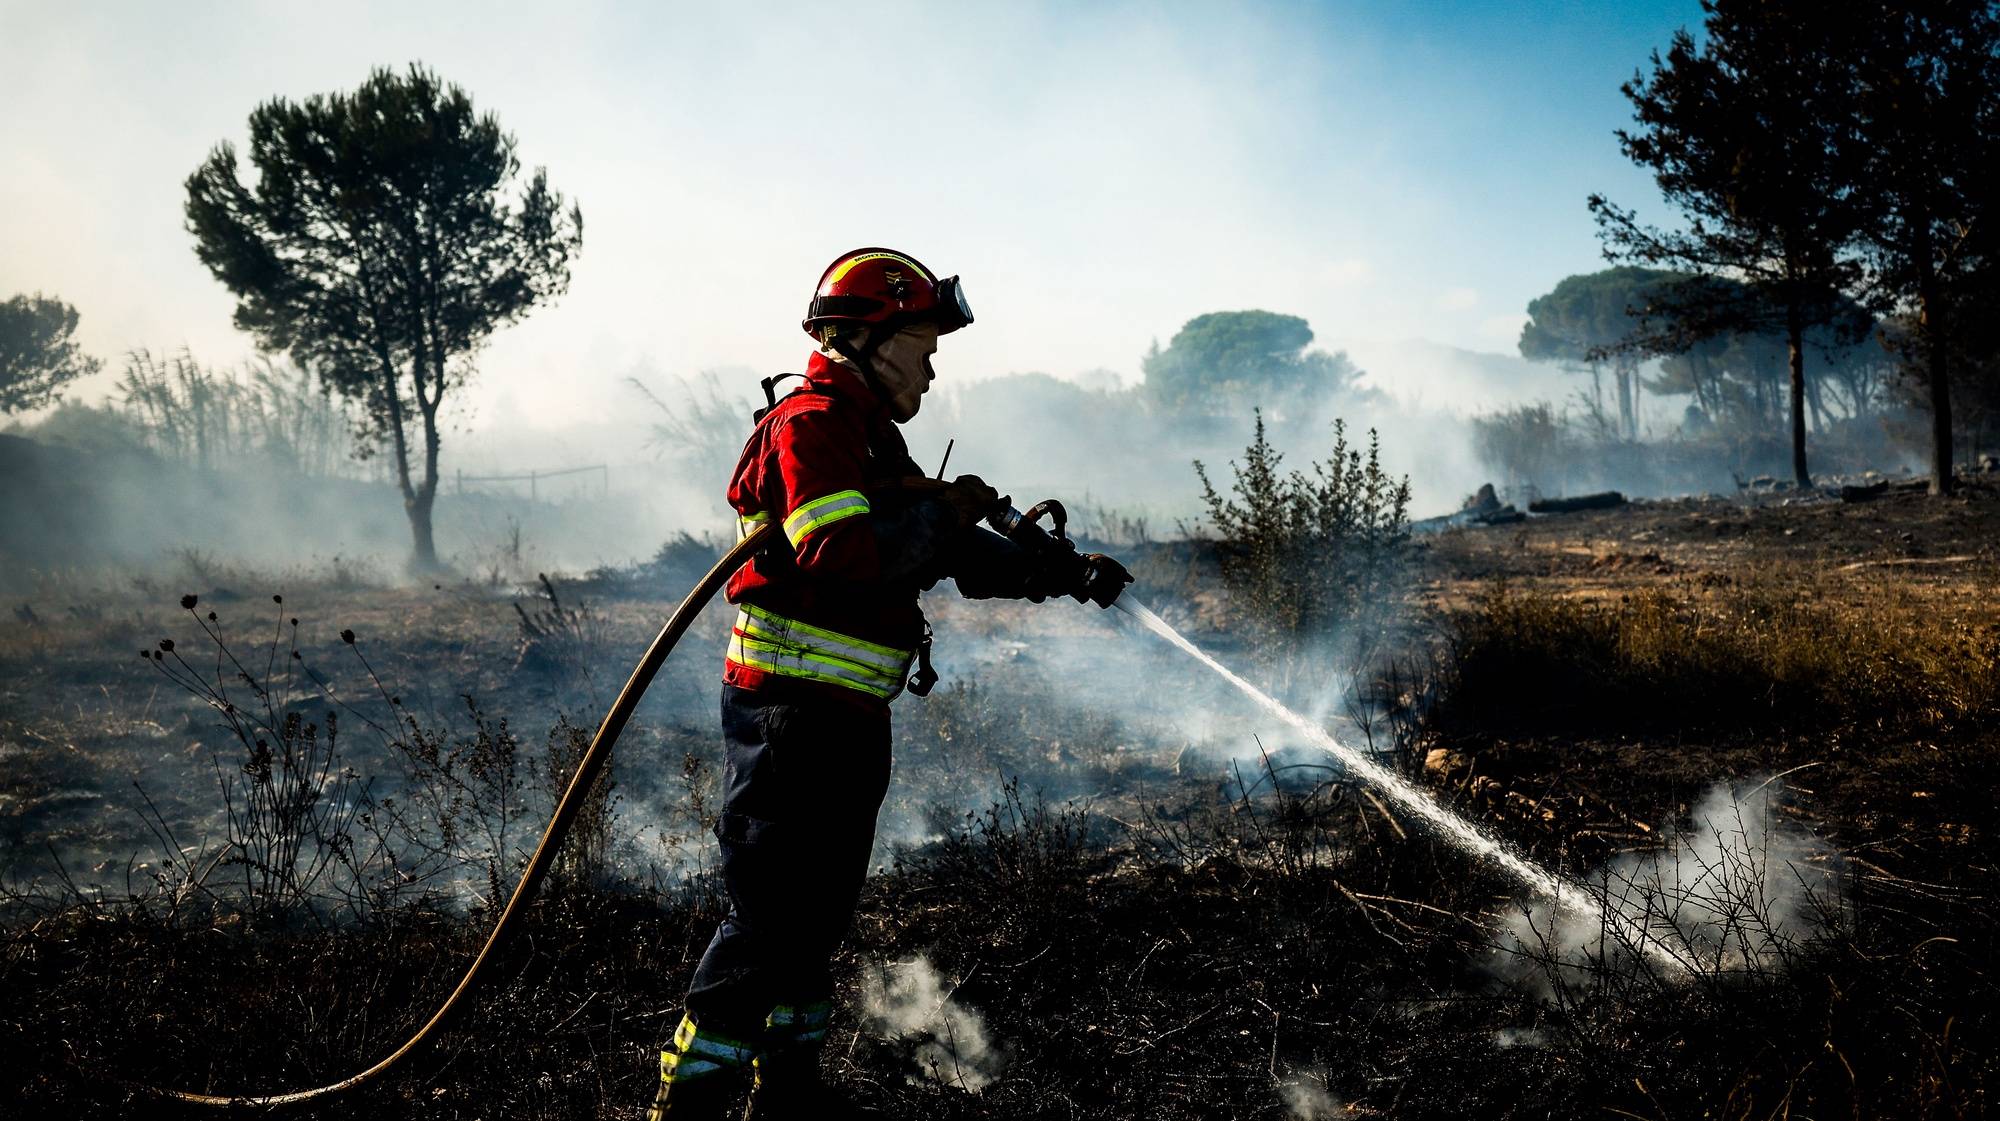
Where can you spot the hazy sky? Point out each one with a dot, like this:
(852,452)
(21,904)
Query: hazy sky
(1099,173)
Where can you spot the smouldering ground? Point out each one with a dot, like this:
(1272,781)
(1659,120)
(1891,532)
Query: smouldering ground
(1181,927)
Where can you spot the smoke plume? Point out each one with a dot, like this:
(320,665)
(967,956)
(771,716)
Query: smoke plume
(1737,890)
(909,1003)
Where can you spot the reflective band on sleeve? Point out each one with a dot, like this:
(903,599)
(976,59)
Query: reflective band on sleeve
(748,523)
(763,640)
(809,516)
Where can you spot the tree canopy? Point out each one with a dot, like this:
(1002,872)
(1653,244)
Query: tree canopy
(383,242)
(1586,315)
(1928,120)
(1747,134)
(38,354)
(1582,322)
(1224,360)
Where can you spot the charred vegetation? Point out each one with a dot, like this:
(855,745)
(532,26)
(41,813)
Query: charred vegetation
(1079,912)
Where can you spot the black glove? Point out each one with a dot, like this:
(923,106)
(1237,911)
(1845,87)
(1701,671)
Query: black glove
(972,498)
(1100,580)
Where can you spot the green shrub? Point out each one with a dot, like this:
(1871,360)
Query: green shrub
(1309,559)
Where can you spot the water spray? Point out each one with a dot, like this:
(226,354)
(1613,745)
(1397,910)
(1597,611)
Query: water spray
(1399,790)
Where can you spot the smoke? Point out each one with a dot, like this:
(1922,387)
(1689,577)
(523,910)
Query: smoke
(71,508)
(1106,449)
(1307,1098)
(1738,890)
(908,1002)
(93,489)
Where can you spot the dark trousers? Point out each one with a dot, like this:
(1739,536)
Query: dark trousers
(803,779)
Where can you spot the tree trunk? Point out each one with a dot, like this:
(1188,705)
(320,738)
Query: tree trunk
(1931,321)
(1796,355)
(1942,472)
(418,507)
(1626,422)
(1638,398)
(1822,413)
(417,498)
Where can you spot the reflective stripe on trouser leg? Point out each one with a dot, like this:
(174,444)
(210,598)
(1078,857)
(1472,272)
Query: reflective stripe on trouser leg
(803,779)
(696,1053)
(794,1034)
(796,1023)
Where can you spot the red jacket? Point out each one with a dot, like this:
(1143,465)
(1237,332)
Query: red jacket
(810,466)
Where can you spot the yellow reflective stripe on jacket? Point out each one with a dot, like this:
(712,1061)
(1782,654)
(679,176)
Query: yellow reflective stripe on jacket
(748,523)
(787,662)
(809,516)
(776,628)
(765,640)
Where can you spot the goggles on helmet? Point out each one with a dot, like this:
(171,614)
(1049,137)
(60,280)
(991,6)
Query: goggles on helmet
(953,311)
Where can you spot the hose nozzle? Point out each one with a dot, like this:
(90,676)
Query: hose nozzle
(1089,577)
(1103,580)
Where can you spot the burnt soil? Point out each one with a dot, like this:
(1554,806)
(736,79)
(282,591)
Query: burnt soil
(1141,926)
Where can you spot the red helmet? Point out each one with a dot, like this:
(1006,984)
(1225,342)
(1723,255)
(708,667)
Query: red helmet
(881,287)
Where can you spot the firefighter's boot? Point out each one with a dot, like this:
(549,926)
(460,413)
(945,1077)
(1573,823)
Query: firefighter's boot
(787,1084)
(701,1076)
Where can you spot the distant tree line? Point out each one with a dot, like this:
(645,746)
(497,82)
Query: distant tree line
(1831,168)
(267,413)
(1736,380)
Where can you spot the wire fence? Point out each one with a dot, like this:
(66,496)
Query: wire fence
(536,478)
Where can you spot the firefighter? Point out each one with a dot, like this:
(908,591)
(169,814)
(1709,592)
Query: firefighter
(826,631)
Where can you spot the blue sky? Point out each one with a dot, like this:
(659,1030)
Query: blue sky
(1099,173)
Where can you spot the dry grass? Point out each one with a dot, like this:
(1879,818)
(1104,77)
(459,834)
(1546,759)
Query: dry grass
(1774,651)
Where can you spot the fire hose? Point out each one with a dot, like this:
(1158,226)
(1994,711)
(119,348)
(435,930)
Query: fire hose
(544,855)
(1021,528)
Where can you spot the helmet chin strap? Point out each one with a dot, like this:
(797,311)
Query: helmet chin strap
(863,358)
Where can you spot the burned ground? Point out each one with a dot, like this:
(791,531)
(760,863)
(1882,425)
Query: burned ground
(1111,910)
